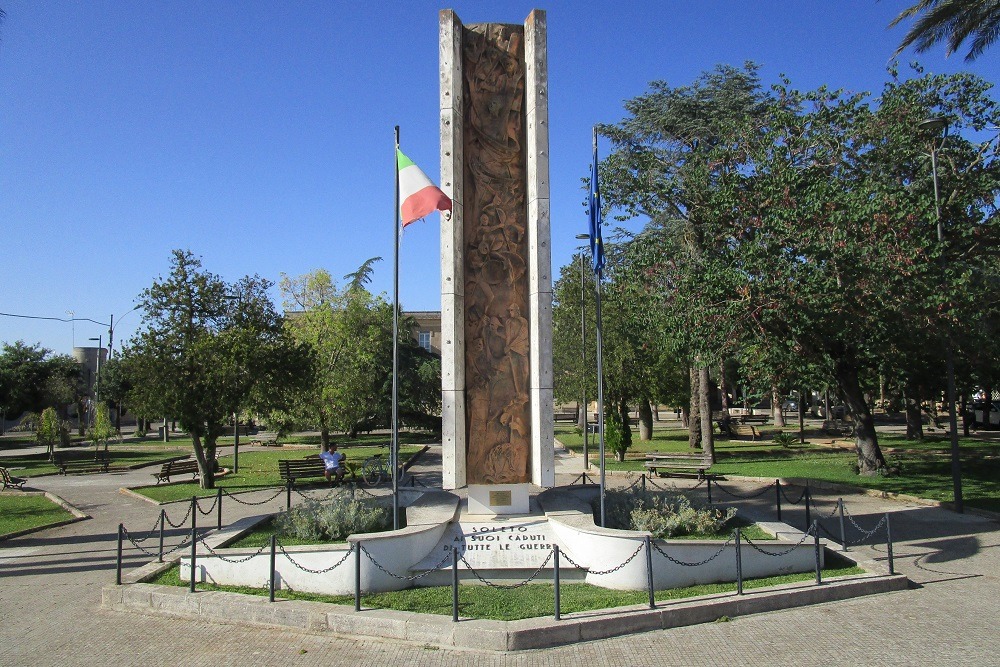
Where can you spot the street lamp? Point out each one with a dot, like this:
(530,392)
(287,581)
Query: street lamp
(940,125)
(583,350)
(97,382)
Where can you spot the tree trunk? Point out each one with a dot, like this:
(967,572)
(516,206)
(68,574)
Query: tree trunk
(324,438)
(870,457)
(685,418)
(776,413)
(645,420)
(694,412)
(206,465)
(581,417)
(707,434)
(914,420)
(802,416)
(626,430)
(965,414)
(723,390)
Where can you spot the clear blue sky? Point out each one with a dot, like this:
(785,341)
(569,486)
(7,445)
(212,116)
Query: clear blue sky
(259,135)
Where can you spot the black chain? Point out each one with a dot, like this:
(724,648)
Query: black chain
(701,562)
(330,494)
(743,496)
(134,543)
(832,514)
(630,486)
(249,502)
(310,571)
(793,502)
(866,533)
(235,561)
(210,509)
(776,554)
(152,531)
(508,587)
(635,553)
(405,578)
(182,522)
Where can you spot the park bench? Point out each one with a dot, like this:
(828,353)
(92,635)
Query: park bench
(177,468)
(754,433)
(12,482)
(752,419)
(677,463)
(565,416)
(291,470)
(842,427)
(81,462)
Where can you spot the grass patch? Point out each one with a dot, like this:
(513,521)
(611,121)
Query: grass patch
(260,470)
(511,605)
(38,464)
(19,513)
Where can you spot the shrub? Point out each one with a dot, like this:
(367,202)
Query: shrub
(786,440)
(662,514)
(332,519)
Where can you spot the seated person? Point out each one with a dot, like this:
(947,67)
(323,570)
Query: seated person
(334,462)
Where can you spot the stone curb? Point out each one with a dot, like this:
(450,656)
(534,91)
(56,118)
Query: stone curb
(77,515)
(496,636)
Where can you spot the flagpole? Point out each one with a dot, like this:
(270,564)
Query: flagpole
(600,391)
(394,444)
(597,255)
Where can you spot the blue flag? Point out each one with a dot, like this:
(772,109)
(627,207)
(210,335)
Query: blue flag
(594,202)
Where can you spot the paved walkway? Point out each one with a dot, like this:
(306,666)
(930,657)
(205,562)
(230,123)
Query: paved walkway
(50,613)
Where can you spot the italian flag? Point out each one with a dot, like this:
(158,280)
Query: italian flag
(417,195)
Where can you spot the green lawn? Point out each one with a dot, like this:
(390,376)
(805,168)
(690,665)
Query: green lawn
(510,605)
(260,470)
(925,466)
(38,464)
(19,513)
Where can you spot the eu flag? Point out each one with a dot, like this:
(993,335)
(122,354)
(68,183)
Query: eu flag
(596,244)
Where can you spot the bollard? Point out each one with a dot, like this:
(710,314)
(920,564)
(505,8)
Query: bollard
(274,555)
(708,481)
(163,520)
(739,565)
(454,585)
(118,569)
(218,502)
(843,531)
(357,576)
(555,583)
(888,544)
(819,575)
(649,572)
(808,497)
(194,537)
(288,495)
(777,493)
(643,478)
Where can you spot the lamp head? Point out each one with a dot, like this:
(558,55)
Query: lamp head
(934,124)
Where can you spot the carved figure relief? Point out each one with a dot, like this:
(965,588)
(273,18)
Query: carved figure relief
(498,418)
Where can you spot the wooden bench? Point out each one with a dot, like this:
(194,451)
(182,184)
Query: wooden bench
(677,463)
(565,416)
(839,426)
(12,482)
(752,432)
(176,468)
(291,470)
(81,462)
(752,419)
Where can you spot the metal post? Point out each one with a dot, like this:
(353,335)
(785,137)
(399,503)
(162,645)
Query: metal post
(643,478)
(274,555)
(708,482)
(777,494)
(218,502)
(357,576)
(194,538)
(819,575)
(118,569)
(394,450)
(808,497)
(288,495)
(843,531)
(163,520)
(454,584)
(236,443)
(888,544)
(583,357)
(649,572)
(555,558)
(739,565)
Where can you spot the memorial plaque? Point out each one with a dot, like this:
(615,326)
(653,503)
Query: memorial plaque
(495,545)
(500,498)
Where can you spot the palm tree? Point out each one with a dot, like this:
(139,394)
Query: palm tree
(952,22)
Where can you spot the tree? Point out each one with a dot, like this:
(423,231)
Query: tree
(952,22)
(49,430)
(102,429)
(198,357)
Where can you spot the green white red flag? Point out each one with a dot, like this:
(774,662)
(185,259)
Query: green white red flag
(418,196)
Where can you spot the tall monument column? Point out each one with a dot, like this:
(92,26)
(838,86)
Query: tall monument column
(496,284)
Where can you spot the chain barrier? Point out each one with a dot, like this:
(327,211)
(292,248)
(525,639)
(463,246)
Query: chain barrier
(701,562)
(865,533)
(250,502)
(150,534)
(330,494)
(184,542)
(833,513)
(777,554)
(563,554)
(414,577)
(367,492)
(234,561)
(830,535)
(210,509)
(743,496)
(793,502)
(509,587)
(182,522)
(298,565)
(630,486)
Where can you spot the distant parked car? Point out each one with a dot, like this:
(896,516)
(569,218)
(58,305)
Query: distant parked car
(836,412)
(978,409)
(790,406)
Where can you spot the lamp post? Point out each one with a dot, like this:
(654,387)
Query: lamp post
(583,350)
(936,125)
(97,382)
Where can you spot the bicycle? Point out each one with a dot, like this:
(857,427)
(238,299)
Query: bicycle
(375,469)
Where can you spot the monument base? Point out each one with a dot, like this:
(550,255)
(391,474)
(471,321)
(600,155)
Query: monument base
(498,498)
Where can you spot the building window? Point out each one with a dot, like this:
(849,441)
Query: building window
(424,340)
